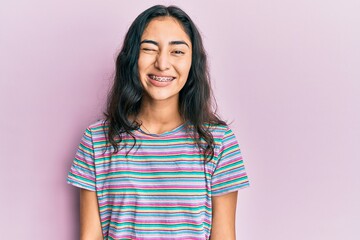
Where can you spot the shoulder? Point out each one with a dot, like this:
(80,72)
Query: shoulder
(99,127)
(219,131)
(99,124)
(224,137)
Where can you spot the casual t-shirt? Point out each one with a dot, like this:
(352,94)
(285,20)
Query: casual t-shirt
(162,187)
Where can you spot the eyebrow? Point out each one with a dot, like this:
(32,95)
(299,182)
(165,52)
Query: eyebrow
(157,44)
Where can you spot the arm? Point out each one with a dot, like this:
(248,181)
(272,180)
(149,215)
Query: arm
(90,226)
(223,216)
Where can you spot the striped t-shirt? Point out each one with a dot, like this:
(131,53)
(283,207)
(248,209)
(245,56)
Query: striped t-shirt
(162,189)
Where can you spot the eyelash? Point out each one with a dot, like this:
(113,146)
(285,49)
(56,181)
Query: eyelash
(177,52)
(148,49)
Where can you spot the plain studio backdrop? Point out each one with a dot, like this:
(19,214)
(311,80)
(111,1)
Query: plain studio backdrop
(285,72)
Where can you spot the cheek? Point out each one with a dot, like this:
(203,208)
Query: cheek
(184,67)
(144,61)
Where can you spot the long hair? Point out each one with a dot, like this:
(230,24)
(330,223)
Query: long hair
(196,103)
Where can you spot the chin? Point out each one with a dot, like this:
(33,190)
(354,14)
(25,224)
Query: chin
(161,97)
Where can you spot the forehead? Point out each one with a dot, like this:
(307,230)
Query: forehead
(165,28)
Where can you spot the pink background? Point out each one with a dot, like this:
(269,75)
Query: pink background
(286,72)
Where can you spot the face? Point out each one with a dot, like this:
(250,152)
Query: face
(164,60)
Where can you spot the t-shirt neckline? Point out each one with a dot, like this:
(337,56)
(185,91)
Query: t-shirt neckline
(167,133)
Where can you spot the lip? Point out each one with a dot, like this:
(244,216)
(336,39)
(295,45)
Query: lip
(157,83)
(160,75)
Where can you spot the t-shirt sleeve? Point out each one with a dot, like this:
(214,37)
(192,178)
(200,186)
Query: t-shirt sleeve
(229,174)
(82,171)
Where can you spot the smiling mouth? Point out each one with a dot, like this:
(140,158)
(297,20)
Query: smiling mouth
(161,79)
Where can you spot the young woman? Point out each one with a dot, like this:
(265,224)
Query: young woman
(161,164)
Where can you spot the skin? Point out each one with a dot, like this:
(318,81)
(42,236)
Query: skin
(166,50)
(223,217)
(90,226)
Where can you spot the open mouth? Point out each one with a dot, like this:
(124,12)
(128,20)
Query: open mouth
(161,78)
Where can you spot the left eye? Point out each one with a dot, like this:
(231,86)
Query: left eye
(178,52)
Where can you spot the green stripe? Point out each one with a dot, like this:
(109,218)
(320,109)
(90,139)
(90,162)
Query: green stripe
(238,180)
(83,164)
(154,191)
(233,165)
(82,179)
(160,226)
(150,174)
(230,149)
(157,208)
(156,141)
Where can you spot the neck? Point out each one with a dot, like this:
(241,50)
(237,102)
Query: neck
(159,116)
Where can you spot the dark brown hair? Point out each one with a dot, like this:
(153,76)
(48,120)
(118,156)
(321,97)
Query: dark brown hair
(196,103)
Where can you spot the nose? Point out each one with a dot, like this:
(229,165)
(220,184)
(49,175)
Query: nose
(162,61)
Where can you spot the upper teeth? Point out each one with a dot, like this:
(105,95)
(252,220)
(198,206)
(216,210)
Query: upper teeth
(161,79)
